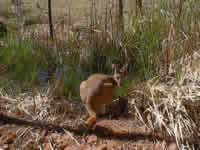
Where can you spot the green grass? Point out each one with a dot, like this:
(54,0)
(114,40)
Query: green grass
(143,41)
(21,59)
(71,85)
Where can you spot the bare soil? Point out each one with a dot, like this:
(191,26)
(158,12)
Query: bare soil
(117,130)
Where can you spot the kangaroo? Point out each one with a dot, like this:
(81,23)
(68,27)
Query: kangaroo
(96,91)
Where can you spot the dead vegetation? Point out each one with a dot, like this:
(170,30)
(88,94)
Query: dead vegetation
(164,109)
(161,46)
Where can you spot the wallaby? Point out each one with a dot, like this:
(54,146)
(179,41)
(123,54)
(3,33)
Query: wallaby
(98,90)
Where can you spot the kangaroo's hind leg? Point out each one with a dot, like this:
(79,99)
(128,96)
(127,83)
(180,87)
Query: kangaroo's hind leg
(92,117)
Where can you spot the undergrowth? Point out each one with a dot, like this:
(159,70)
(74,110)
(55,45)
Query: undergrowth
(155,43)
(21,60)
(149,44)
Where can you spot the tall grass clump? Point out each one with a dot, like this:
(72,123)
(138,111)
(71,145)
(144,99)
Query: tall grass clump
(21,60)
(142,41)
(161,36)
(165,41)
(71,85)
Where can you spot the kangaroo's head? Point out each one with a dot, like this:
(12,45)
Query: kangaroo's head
(119,75)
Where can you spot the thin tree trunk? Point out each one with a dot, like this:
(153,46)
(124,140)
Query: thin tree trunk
(50,20)
(121,19)
(138,6)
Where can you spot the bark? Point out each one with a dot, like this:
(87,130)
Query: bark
(50,20)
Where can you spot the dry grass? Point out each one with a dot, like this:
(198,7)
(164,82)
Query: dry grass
(172,104)
(170,99)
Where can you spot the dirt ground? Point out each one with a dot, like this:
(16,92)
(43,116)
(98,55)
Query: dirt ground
(18,137)
(114,131)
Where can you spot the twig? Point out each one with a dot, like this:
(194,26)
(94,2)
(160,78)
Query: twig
(140,116)
(25,130)
(7,99)
(50,142)
(20,138)
(72,137)
(40,147)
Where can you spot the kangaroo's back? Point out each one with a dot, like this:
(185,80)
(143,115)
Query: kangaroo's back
(97,89)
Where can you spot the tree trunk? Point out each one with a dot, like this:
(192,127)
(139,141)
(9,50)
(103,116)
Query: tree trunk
(121,19)
(138,6)
(50,20)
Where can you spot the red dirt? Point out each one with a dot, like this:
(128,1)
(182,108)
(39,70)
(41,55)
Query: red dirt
(119,132)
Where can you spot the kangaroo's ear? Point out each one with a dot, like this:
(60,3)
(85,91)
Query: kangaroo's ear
(114,68)
(123,70)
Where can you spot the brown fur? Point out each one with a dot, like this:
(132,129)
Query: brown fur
(96,91)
